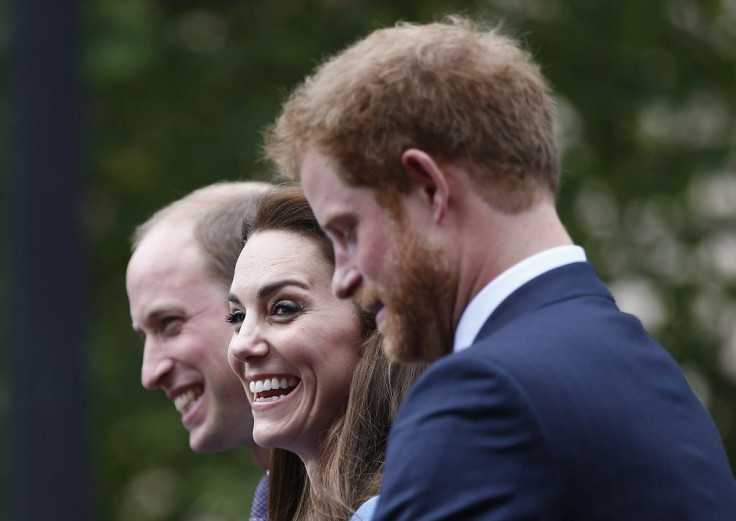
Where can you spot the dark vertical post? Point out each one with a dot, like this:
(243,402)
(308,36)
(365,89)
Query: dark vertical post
(47,457)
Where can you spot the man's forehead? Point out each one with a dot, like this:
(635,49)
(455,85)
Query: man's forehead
(330,196)
(322,188)
(156,280)
(167,243)
(317,173)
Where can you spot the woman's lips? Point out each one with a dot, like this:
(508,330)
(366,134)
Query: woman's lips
(272,388)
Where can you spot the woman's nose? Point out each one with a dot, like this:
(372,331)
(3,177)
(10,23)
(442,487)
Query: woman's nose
(247,342)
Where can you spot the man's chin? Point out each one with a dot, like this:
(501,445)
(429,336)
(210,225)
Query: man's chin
(203,444)
(407,342)
(396,345)
(416,292)
(395,352)
(200,448)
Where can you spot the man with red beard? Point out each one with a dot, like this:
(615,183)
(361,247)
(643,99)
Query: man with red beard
(428,155)
(178,280)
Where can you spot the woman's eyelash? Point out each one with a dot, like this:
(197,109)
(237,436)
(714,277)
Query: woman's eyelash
(286,307)
(236,317)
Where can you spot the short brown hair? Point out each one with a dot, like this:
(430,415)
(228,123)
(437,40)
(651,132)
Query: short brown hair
(216,213)
(461,92)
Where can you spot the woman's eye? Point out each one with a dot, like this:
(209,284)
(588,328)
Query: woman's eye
(285,308)
(235,318)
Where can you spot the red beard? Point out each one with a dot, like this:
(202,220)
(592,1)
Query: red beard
(417,291)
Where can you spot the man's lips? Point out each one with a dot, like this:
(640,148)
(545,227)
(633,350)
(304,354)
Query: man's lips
(368,299)
(380,314)
(375,307)
(183,400)
(372,306)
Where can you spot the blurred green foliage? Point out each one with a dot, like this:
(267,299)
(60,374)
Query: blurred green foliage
(179,92)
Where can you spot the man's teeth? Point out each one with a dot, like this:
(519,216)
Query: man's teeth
(185,400)
(269,385)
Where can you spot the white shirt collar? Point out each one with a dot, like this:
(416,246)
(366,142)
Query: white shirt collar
(490,297)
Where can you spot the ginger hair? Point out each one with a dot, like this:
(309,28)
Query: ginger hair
(463,93)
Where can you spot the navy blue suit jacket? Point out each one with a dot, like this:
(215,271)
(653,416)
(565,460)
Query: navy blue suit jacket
(564,408)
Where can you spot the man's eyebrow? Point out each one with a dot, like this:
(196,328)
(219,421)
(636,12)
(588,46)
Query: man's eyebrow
(138,330)
(334,217)
(336,224)
(328,221)
(156,314)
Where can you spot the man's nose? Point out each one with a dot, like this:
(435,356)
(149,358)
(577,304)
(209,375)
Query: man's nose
(156,365)
(345,280)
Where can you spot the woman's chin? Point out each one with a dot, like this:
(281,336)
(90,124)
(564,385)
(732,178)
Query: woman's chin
(264,440)
(269,438)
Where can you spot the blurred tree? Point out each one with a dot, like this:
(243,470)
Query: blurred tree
(179,92)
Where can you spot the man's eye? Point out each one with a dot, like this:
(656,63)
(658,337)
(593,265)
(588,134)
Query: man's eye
(170,325)
(346,234)
(341,234)
(286,308)
(235,318)
(349,234)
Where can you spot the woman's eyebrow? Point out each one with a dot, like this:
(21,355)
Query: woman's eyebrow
(269,289)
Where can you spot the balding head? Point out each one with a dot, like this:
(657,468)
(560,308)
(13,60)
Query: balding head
(216,213)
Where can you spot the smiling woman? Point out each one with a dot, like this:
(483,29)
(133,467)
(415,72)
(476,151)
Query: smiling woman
(319,385)
(288,326)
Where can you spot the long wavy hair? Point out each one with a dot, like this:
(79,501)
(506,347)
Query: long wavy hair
(352,452)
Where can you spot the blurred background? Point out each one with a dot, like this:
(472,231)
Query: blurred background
(165,96)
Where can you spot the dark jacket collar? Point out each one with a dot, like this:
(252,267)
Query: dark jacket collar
(570,281)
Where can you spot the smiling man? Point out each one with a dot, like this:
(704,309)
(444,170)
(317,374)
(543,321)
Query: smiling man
(178,280)
(428,155)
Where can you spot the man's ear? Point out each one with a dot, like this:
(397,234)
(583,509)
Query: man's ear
(429,179)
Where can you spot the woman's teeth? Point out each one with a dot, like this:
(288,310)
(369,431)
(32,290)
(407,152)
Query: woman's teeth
(258,386)
(267,390)
(186,399)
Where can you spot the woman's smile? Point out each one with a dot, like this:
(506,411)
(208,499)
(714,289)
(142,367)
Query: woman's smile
(294,344)
(273,388)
